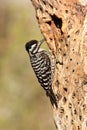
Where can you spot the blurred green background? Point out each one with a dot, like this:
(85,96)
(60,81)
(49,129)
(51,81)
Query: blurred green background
(23,103)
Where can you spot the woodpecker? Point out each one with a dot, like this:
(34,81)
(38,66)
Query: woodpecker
(43,67)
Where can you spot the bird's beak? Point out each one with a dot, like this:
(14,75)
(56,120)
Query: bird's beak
(40,42)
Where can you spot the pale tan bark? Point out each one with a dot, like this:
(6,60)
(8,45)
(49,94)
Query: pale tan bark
(64,25)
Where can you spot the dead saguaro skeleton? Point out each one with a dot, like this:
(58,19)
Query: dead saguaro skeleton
(64,25)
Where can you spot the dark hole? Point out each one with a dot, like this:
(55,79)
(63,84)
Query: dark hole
(75,112)
(66,11)
(61,110)
(68,36)
(51,39)
(49,22)
(66,116)
(70,105)
(78,102)
(51,6)
(44,2)
(64,99)
(64,54)
(73,95)
(57,21)
(78,127)
(70,59)
(60,40)
(66,67)
(67,45)
(65,89)
(57,82)
(84,106)
(73,70)
(80,117)
(77,32)
(59,49)
(74,39)
(40,8)
(46,11)
(72,121)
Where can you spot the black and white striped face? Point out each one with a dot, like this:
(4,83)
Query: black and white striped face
(33,46)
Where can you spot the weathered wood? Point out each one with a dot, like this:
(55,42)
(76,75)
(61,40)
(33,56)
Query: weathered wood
(64,25)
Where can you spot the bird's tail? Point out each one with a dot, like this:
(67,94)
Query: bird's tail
(52,97)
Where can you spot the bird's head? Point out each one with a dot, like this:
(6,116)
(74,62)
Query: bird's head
(33,46)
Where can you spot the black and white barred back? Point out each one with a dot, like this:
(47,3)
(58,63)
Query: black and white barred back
(42,66)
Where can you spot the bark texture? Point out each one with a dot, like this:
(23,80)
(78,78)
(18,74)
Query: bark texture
(64,25)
